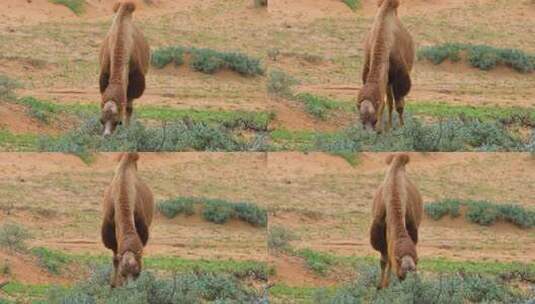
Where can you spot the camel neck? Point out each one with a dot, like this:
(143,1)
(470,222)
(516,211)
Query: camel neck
(120,51)
(396,202)
(381,48)
(125,198)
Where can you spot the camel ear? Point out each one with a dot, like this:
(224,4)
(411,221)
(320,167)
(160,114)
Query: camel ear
(389,159)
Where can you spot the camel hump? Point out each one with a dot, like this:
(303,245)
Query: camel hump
(124,7)
(388,3)
(400,159)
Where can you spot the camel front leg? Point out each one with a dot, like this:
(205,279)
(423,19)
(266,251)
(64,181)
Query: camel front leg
(385,273)
(115,270)
(390,105)
(379,126)
(400,105)
(383,263)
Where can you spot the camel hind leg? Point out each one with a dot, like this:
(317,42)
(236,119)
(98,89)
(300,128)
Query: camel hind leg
(400,105)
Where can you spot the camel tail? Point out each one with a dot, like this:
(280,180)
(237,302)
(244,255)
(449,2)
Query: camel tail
(388,4)
(124,8)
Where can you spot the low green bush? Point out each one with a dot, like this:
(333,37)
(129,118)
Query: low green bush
(41,111)
(353,4)
(176,136)
(76,6)
(14,236)
(437,210)
(180,205)
(215,210)
(166,55)
(424,289)
(149,289)
(483,57)
(483,212)
(207,61)
(7,85)
(318,262)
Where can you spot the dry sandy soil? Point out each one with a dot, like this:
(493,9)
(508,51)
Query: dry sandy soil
(327,203)
(53,53)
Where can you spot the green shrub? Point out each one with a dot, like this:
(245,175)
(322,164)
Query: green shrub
(164,56)
(208,61)
(42,111)
(280,84)
(483,212)
(483,57)
(180,205)
(317,105)
(5,268)
(13,236)
(149,289)
(172,136)
(439,209)
(423,289)
(217,211)
(353,4)
(76,6)
(251,214)
(51,260)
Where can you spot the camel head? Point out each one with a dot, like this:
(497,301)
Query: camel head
(128,268)
(368,116)
(110,117)
(405,265)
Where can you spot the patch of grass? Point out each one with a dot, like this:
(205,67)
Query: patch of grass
(215,210)
(483,212)
(240,269)
(17,142)
(208,61)
(53,261)
(317,106)
(42,111)
(14,236)
(353,4)
(5,268)
(280,84)
(279,238)
(319,262)
(76,6)
(483,57)
(149,289)
(507,115)
(291,294)
(26,291)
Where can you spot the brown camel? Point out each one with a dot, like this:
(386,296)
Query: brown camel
(388,59)
(128,209)
(124,62)
(397,213)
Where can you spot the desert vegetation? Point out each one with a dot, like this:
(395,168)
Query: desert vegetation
(214,210)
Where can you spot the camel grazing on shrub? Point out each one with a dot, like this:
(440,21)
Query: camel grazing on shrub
(397,213)
(124,62)
(128,209)
(388,59)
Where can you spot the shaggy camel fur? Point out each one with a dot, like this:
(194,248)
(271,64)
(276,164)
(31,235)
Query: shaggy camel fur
(124,62)
(128,209)
(388,59)
(397,213)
